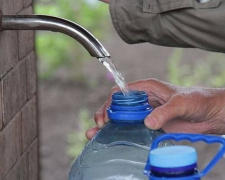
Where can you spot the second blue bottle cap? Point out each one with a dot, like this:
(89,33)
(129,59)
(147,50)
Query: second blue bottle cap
(173,157)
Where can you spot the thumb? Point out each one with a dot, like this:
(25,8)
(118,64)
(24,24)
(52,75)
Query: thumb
(162,114)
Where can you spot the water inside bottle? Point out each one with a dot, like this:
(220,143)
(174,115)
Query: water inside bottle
(118,152)
(119,79)
(118,162)
(117,157)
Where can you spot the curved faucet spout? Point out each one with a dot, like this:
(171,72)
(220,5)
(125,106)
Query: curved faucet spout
(42,22)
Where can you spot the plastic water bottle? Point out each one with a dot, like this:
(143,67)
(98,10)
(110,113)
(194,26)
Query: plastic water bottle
(119,149)
(179,162)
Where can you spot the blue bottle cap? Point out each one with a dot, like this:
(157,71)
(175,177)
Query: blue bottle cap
(133,107)
(180,164)
(173,157)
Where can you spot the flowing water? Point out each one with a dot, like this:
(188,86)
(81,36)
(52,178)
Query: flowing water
(119,79)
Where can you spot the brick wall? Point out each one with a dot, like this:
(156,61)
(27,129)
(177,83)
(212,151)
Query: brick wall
(18,113)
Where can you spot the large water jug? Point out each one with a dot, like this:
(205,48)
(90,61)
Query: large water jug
(119,149)
(179,162)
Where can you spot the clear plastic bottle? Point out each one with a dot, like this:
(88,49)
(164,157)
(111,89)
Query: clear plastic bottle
(119,149)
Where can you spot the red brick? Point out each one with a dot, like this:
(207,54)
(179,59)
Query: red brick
(29,123)
(8,51)
(14,91)
(1,4)
(10,149)
(20,170)
(1,108)
(17,62)
(31,75)
(26,38)
(26,167)
(11,6)
(33,161)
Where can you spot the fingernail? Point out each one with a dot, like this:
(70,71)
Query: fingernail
(100,124)
(152,123)
(106,120)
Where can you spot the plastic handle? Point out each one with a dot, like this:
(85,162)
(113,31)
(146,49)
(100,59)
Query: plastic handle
(209,139)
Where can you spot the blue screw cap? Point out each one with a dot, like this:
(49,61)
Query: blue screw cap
(173,156)
(133,107)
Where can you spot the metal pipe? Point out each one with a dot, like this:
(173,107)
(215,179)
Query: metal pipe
(49,23)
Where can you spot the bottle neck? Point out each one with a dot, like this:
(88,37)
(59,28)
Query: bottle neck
(128,132)
(126,122)
(133,108)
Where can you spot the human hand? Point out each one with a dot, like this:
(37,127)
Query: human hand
(177,109)
(105,1)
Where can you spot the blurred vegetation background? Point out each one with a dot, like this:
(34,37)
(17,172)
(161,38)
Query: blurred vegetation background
(206,72)
(60,56)
(59,53)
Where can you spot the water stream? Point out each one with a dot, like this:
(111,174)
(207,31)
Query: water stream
(119,79)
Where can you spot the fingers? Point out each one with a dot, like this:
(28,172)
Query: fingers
(91,132)
(182,126)
(163,114)
(101,116)
(158,92)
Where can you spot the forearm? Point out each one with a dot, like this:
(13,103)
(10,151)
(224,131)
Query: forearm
(178,23)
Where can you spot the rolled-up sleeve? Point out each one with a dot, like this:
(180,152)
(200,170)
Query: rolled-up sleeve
(174,23)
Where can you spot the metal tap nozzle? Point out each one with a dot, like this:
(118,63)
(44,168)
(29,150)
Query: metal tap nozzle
(42,22)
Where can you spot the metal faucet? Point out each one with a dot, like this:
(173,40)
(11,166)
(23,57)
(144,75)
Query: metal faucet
(49,23)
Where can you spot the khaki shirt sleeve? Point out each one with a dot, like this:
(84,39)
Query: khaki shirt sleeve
(174,23)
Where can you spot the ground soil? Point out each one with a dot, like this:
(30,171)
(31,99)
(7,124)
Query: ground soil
(61,100)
